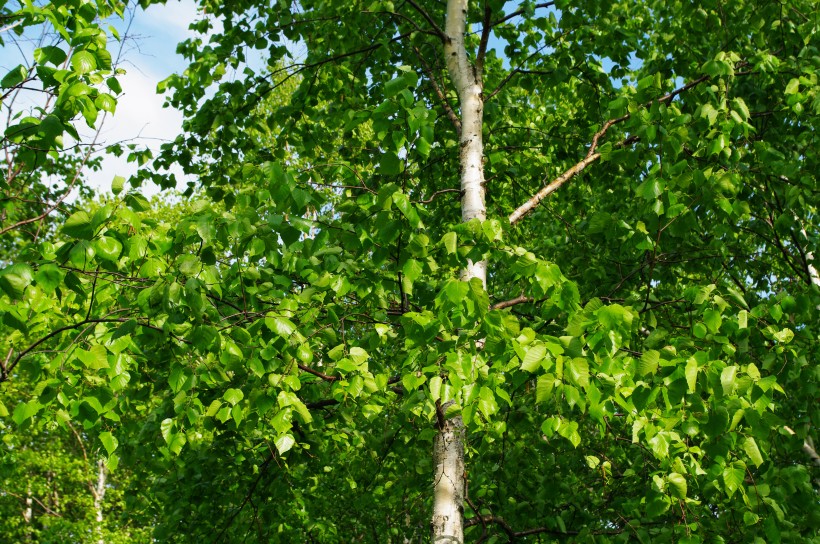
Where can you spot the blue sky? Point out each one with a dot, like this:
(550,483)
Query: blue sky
(149,56)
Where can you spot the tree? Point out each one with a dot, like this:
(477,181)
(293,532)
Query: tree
(607,326)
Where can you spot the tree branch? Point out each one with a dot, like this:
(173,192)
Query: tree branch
(485,38)
(518,12)
(592,155)
(5,372)
(441,34)
(262,470)
(434,195)
(448,109)
(526,207)
(807,447)
(318,374)
(507,303)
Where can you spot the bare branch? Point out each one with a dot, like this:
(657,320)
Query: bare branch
(526,207)
(518,12)
(485,38)
(12,25)
(512,302)
(434,195)
(592,155)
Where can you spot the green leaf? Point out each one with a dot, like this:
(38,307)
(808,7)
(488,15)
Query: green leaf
(578,369)
(784,336)
(390,164)
(677,483)
(109,441)
(713,320)
(727,379)
(24,411)
(282,326)
(648,363)
(532,360)
(95,358)
(14,280)
(114,85)
(284,443)
(166,428)
(691,373)
(288,398)
(78,225)
(407,209)
(117,184)
(15,77)
(50,54)
(450,242)
(569,430)
(403,81)
(742,319)
(106,102)
(543,387)
(108,248)
(733,476)
(83,62)
(233,396)
(486,402)
(750,446)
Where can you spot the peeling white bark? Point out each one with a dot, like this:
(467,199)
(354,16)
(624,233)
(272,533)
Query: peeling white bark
(98,491)
(28,513)
(449,478)
(815,277)
(448,497)
(471,145)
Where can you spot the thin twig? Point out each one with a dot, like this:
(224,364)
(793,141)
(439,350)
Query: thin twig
(518,12)
(441,34)
(448,109)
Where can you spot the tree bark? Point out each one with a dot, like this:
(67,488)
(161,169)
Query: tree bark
(448,498)
(98,492)
(28,515)
(449,479)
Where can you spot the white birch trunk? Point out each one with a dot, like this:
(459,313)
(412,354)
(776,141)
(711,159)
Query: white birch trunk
(28,513)
(471,146)
(448,482)
(449,478)
(99,496)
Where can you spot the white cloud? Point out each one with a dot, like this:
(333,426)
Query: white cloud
(140,118)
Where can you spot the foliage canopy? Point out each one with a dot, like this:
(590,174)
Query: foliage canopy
(272,359)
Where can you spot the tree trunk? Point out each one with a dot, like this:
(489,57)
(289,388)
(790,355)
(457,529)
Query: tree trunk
(449,479)
(28,514)
(99,496)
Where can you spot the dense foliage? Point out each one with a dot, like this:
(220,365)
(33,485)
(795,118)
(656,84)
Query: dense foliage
(271,359)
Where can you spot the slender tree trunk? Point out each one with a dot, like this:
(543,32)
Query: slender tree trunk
(449,478)
(99,496)
(28,514)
